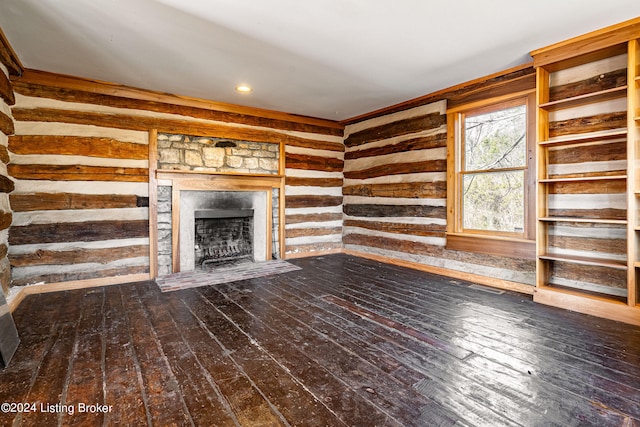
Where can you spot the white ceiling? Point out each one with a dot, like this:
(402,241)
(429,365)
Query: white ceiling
(332,59)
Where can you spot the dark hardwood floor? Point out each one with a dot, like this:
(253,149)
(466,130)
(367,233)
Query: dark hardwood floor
(344,341)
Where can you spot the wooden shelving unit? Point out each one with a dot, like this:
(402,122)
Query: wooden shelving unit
(589,263)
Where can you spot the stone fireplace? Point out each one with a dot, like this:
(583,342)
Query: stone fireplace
(218,200)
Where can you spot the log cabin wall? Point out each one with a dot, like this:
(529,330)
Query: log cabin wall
(8,66)
(80,159)
(395,186)
(313,195)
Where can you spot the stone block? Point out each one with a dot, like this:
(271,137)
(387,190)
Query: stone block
(176,138)
(269,164)
(192,158)
(213,157)
(169,156)
(251,163)
(234,161)
(241,152)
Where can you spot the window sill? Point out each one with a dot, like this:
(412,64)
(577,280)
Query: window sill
(492,245)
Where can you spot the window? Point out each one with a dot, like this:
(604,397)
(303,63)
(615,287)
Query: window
(491,187)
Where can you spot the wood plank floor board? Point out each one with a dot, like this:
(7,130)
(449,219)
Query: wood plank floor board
(346,364)
(246,401)
(407,373)
(201,395)
(287,393)
(164,403)
(525,406)
(556,337)
(343,341)
(123,382)
(325,383)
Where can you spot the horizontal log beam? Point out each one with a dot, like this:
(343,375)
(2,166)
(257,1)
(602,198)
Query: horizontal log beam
(608,213)
(606,246)
(308,250)
(76,89)
(77,173)
(594,123)
(601,275)
(102,256)
(63,201)
(163,125)
(398,128)
(386,211)
(427,230)
(422,143)
(595,153)
(613,186)
(303,232)
(322,217)
(77,146)
(304,162)
(312,201)
(89,231)
(399,169)
(597,83)
(413,190)
(6,90)
(313,182)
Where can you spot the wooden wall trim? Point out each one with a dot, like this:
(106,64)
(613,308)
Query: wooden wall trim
(8,56)
(587,43)
(97,87)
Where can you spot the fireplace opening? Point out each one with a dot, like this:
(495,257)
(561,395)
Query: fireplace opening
(222,236)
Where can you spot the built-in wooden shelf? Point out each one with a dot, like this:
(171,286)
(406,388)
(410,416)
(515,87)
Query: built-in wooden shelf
(597,262)
(585,138)
(583,178)
(585,220)
(589,98)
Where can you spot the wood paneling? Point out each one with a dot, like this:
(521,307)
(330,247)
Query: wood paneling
(371,210)
(412,190)
(598,122)
(399,169)
(320,217)
(432,230)
(313,182)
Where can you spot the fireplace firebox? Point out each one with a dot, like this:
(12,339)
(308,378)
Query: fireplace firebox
(222,236)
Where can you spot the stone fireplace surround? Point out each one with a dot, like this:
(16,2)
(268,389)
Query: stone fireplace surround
(180,194)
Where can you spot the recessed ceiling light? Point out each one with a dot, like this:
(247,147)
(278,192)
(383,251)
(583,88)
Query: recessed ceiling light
(243,88)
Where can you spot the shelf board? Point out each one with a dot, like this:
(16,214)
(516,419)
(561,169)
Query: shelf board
(585,138)
(636,264)
(597,262)
(589,98)
(583,178)
(587,220)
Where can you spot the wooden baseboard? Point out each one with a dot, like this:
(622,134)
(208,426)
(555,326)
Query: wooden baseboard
(15,300)
(587,304)
(476,278)
(313,253)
